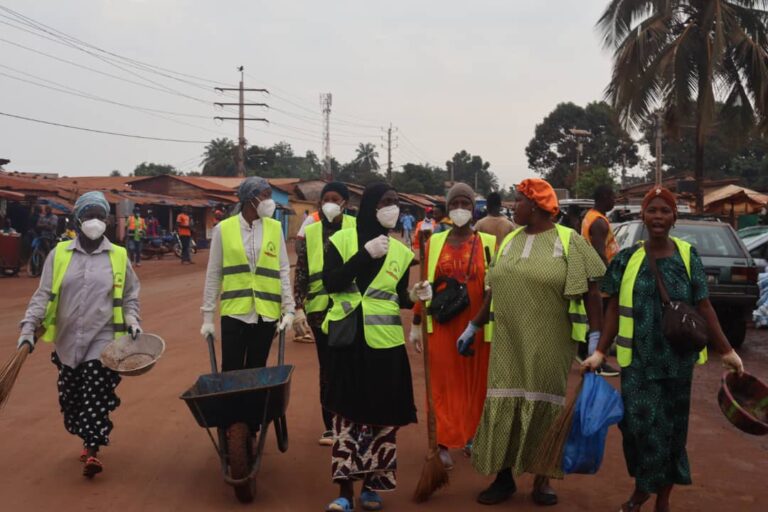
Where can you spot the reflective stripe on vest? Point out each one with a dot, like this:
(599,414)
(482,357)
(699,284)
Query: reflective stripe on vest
(626,335)
(382,324)
(118,258)
(436,244)
(577,311)
(317,297)
(243,291)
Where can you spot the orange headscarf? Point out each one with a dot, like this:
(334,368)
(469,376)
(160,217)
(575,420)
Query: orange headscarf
(662,193)
(541,193)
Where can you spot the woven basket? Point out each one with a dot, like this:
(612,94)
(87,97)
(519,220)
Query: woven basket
(744,401)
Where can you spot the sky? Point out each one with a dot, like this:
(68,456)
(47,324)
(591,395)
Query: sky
(448,75)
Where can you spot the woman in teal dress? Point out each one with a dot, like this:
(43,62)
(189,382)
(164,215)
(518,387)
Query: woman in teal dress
(656,380)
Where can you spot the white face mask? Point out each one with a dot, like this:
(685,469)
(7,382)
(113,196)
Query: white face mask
(266,208)
(93,228)
(460,216)
(331,210)
(388,216)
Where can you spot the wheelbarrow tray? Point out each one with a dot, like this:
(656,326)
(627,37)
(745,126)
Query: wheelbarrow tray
(252,396)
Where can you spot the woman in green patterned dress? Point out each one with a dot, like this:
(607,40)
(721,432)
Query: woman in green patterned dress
(656,380)
(539,269)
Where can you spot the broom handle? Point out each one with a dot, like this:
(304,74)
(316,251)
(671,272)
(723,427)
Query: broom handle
(431,419)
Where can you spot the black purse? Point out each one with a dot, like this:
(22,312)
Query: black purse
(341,333)
(450,295)
(681,324)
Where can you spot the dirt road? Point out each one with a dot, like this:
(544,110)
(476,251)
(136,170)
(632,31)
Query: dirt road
(160,460)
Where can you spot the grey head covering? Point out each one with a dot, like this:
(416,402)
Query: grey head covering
(91,199)
(251,187)
(460,190)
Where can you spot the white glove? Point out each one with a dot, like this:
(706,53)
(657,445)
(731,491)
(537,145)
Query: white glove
(421,291)
(134,330)
(300,326)
(465,341)
(593,362)
(732,361)
(593,338)
(29,339)
(287,321)
(378,247)
(415,337)
(208,328)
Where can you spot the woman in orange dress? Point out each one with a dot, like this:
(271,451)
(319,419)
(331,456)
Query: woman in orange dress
(458,381)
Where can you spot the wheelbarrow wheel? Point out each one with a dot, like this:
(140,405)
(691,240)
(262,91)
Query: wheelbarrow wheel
(281,432)
(239,452)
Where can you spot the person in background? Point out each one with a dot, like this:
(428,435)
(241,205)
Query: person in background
(656,379)
(544,285)
(311,298)
(370,391)
(218,215)
(7,227)
(135,230)
(88,296)
(458,380)
(424,229)
(407,223)
(442,221)
(249,271)
(153,225)
(596,229)
(494,223)
(47,225)
(184,228)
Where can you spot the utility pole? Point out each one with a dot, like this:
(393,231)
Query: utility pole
(325,102)
(241,119)
(389,148)
(658,147)
(577,134)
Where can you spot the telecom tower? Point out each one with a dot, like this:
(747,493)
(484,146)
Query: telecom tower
(325,102)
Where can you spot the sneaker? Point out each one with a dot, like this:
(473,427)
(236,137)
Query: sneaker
(446,459)
(326,439)
(607,370)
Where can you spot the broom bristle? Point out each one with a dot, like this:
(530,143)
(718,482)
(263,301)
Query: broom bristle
(10,372)
(433,477)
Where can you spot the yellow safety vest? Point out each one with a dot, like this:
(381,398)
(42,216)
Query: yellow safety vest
(317,297)
(436,243)
(242,291)
(626,335)
(382,325)
(118,257)
(577,312)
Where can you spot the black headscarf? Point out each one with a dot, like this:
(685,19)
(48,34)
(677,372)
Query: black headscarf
(368,226)
(338,187)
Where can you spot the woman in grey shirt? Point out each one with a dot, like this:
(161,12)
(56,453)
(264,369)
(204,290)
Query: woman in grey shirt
(88,295)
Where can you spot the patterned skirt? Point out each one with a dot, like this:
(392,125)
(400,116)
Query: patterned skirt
(364,452)
(86,397)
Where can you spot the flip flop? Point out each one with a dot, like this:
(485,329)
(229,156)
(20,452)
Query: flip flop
(370,500)
(84,455)
(340,505)
(92,467)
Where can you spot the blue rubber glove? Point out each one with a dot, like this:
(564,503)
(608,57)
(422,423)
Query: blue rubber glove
(465,341)
(592,340)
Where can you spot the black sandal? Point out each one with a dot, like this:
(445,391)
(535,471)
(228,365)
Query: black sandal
(496,493)
(542,493)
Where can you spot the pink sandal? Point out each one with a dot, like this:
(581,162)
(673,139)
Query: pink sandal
(92,467)
(84,455)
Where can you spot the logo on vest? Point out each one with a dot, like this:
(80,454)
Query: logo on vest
(271,250)
(394,270)
(119,280)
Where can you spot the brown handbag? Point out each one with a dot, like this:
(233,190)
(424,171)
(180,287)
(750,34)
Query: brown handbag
(681,324)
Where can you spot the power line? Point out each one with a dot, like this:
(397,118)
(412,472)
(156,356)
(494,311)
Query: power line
(105,132)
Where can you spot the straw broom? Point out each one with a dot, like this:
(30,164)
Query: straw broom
(10,372)
(433,474)
(549,458)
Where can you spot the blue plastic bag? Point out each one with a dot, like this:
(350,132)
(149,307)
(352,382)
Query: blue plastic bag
(597,407)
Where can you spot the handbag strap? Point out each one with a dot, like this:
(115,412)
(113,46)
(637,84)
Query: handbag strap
(475,236)
(659,281)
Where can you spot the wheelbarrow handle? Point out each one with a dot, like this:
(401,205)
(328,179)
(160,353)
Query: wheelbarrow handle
(212,353)
(281,349)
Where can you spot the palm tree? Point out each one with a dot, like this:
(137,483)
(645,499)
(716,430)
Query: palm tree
(366,157)
(681,57)
(219,158)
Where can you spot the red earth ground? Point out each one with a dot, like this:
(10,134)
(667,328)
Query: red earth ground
(160,460)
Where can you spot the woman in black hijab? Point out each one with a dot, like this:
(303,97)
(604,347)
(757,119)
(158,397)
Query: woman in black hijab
(369,389)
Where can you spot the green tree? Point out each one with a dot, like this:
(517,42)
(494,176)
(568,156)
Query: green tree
(591,179)
(219,158)
(420,178)
(152,169)
(115,173)
(366,157)
(675,54)
(552,151)
(471,169)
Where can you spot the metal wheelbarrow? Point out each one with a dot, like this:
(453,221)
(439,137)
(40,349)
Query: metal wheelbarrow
(241,404)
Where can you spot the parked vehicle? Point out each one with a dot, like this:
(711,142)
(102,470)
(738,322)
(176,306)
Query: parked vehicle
(758,248)
(752,231)
(177,245)
(731,270)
